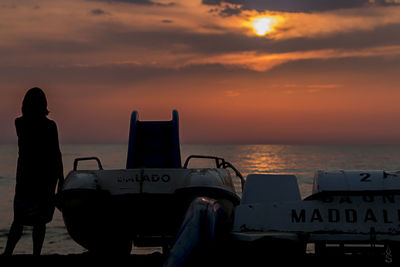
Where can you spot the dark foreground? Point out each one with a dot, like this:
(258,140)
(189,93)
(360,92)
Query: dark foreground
(156,259)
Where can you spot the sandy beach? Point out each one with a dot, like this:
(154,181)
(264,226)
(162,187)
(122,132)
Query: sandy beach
(156,259)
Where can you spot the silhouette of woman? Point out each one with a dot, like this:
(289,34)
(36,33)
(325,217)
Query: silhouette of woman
(38,170)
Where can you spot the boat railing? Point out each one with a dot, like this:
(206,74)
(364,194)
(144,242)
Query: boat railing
(85,159)
(219,163)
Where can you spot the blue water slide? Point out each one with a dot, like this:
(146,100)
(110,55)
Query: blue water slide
(154,144)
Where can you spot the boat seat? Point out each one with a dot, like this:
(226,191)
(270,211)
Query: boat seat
(154,144)
(270,188)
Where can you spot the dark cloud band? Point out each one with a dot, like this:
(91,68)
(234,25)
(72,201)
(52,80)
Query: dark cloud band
(299,5)
(137,2)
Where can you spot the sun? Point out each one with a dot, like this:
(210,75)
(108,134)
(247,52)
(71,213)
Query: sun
(262,25)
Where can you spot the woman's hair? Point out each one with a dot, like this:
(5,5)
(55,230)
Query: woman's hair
(34,103)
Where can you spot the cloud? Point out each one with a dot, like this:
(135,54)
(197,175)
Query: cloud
(137,2)
(167,21)
(232,93)
(228,10)
(319,25)
(384,2)
(191,40)
(160,42)
(224,9)
(324,86)
(97,11)
(8,6)
(293,88)
(300,5)
(264,62)
(313,86)
(171,48)
(354,39)
(221,2)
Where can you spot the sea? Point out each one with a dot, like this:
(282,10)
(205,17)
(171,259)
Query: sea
(300,160)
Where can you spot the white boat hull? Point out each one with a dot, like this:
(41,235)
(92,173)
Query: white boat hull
(112,208)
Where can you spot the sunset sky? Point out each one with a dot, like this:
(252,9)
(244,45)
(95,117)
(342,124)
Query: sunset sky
(238,71)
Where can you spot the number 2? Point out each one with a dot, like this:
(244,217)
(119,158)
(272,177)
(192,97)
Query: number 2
(365,177)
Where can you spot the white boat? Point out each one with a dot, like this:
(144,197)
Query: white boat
(346,209)
(105,210)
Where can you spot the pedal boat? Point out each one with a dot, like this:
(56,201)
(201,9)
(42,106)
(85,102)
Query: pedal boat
(107,210)
(349,211)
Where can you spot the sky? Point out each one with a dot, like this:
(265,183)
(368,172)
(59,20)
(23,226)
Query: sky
(238,71)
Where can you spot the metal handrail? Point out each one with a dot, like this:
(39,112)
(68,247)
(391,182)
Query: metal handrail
(219,162)
(238,174)
(87,158)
